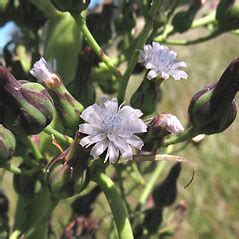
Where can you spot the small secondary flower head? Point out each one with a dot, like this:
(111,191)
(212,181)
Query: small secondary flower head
(166,123)
(113,128)
(161,62)
(43,71)
(171,123)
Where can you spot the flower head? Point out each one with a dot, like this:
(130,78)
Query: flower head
(161,62)
(113,128)
(44,72)
(166,122)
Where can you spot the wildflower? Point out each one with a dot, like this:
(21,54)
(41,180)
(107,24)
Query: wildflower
(43,71)
(159,127)
(161,62)
(112,127)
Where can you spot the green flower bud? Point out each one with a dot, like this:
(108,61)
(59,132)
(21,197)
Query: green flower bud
(227,15)
(159,127)
(165,193)
(74,6)
(153,219)
(69,108)
(67,174)
(22,184)
(146,96)
(182,21)
(109,85)
(28,106)
(83,205)
(213,109)
(7,144)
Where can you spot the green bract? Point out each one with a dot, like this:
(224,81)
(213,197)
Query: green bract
(7,144)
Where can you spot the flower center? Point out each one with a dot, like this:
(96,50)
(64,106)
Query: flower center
(111,122)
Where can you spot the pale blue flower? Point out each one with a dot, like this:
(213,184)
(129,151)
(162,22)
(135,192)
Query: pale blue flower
(44,72)
(161,62)
(112,128)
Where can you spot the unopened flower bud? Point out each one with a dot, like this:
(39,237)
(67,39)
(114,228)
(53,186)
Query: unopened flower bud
(183,20)
(83,205)
(7,144)
(146,96)
(23,184)
(73,6)
(68,107)
(109,85)
(28,106)
(213,109)
(227,15)
(165,193)
(67,174)
(153,219)
(160,126)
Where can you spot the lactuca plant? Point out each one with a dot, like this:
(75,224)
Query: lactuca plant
(96,50)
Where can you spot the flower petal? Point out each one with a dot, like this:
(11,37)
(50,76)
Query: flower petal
(99,148)
(89,140)
(92,115)
(152,74)
(112,153)
(88,129)
(128,153)
(135,141)
(161,62)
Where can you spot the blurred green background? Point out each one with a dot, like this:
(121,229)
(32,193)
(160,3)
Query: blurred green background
(212,198)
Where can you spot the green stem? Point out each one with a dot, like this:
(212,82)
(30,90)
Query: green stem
(14,169)
(41,210)
(209,19)
(117,205)
(16,234)
(194,41)
(35,151)
(81,21)
(186,135)
(59,136)
(141,41)
(167,30)
(137,175)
